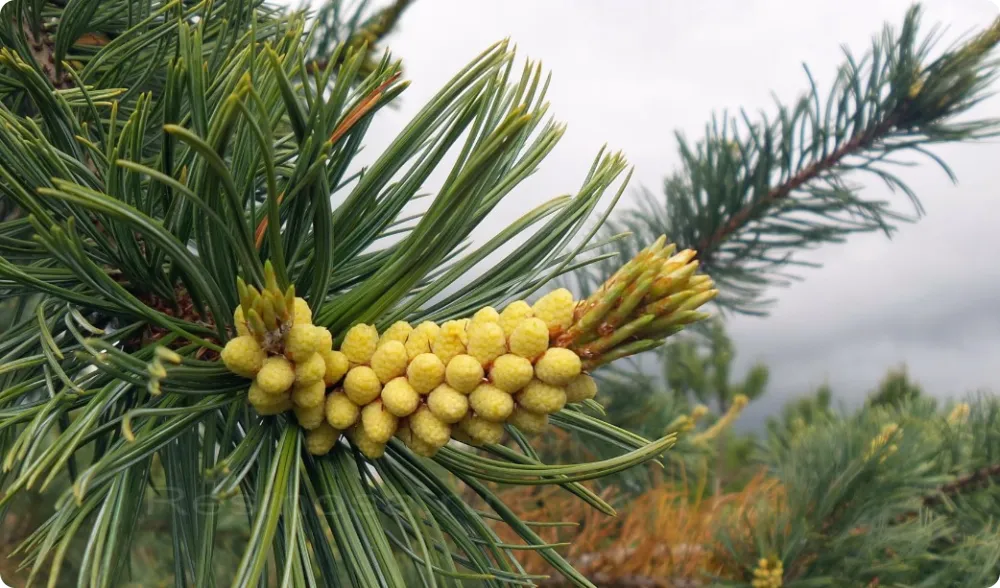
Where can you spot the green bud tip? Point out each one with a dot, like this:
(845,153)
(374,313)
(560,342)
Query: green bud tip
(254,296)
(255,323)
(153,386)
(244,294)
(698,300)
(270,278)
(269,315)
(168,355)
(156,369)
(281,308)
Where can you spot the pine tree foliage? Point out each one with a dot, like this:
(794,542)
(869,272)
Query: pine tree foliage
(755,191)
(897,495)
(798,414)
(752,195)
(157,151)
(353,25)
(895,388)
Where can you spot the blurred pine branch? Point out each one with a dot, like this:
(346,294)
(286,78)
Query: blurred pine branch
(755,192)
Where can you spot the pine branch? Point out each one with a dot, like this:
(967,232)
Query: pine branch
(335,28)
(759,208)
(976,480)
(752,194)
(861,492)
(43,53)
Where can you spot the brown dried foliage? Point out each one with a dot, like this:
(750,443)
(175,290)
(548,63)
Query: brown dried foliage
(664,538)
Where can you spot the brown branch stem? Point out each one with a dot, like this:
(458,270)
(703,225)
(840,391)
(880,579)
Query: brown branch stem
(967,483)
(975,480)
(706,246)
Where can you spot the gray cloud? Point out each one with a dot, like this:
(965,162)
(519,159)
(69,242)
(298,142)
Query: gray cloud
(629,74)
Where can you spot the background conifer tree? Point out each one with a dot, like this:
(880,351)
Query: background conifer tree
(756,192)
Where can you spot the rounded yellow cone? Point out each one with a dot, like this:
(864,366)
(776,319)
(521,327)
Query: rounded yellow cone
(449,342)
(309,395)
(416,344)
(425,372)
(414,443)
(360,343)
(583,387)
(491,403)
(309,417)
(511,373)
(389,360)
(486,342)
(337,365)
(276,376)
(528,422)
(341,413)
(542,398)
(512,316)
(310,370)
(447,404)
(399,397)
(365,444)
(304,339)
(556,309)
(283,405)
(322,439)
(362,385)
(262,400)
(464,373)
(429,328)
(301,313)
(530,339)
(379,424)
(481,431)
(429,428)
(243,356)
(558,366)
(486,314)
(399,331)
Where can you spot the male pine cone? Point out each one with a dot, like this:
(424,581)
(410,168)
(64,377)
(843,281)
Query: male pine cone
(464,379)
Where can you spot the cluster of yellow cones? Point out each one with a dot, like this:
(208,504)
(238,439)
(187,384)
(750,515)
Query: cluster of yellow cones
(768,574)
(891,431)
(463,379)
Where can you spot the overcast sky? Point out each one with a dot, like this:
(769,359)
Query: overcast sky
(630,73)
